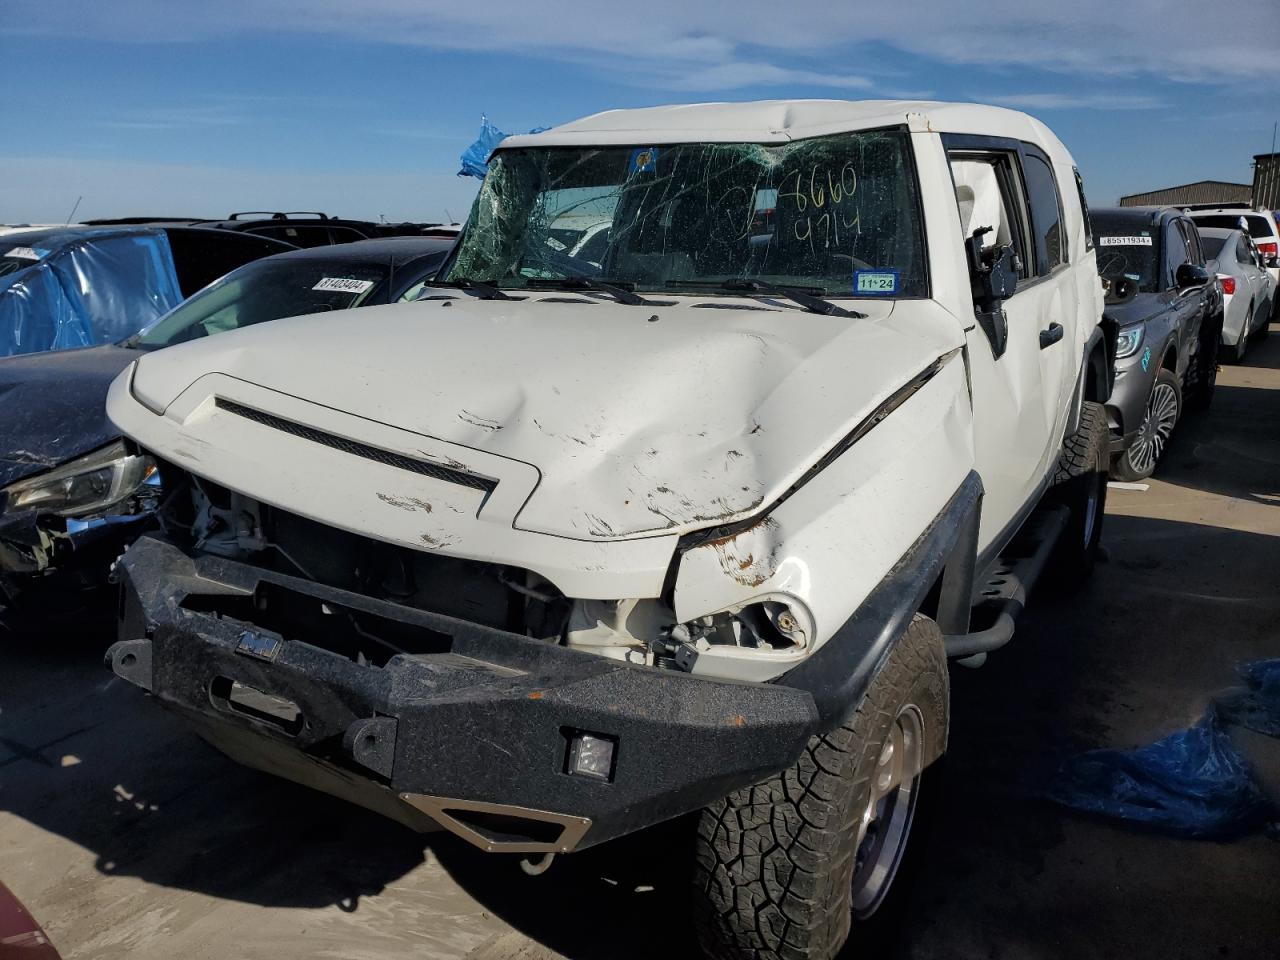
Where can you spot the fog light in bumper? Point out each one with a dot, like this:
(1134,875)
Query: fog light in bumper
(591,755)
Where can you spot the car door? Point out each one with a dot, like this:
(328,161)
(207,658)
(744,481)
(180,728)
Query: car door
(1259,280)
(1011,412)
(1183,246)
(1060,299)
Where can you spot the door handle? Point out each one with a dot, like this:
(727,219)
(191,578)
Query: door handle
(1051,336)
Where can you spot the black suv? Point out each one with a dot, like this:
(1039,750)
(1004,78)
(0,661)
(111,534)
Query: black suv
(309,228)
(1168,307)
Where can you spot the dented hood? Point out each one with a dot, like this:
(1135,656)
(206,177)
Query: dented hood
(638,419)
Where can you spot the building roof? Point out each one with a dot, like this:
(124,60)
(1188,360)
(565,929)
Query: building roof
(1202,191)
(780,121)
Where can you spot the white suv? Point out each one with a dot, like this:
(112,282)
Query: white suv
(1259,224)
(573,546)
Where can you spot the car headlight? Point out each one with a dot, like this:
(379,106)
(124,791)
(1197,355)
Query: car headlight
(85,486)
(1128,341)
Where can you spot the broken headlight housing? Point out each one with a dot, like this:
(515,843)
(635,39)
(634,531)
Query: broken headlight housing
(85,486)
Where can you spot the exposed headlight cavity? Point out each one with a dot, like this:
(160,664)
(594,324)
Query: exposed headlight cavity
(645,631)
(86,486)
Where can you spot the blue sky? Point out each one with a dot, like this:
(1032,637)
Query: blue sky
(361,109)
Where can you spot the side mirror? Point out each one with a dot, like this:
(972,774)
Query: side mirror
(993,277)
(1117,290)
(1190,275)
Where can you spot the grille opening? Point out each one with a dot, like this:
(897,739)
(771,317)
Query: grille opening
(358,635)
(506,828)
(258,704)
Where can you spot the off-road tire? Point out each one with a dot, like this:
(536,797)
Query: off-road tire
(1123,468)
(1080,483)
(1202,374)
(774,862)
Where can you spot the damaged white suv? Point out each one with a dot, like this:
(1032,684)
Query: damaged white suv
(574,545)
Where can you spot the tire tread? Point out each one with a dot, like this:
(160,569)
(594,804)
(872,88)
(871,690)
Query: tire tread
(774,862)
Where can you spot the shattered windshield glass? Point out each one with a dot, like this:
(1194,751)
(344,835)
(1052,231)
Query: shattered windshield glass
(264,291)
(840,214)
(1126,248)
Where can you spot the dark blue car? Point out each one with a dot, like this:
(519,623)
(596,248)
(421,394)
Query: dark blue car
(72,492)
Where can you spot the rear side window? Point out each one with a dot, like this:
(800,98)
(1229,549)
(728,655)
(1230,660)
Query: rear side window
(202,256)
(1212,246)
(1175,251)
(1084,210)
(1193,241)
(299,236)
(1046,213)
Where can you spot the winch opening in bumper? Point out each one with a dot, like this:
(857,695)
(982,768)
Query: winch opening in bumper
(472,728)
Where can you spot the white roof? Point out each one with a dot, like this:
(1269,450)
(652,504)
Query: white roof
(780,121)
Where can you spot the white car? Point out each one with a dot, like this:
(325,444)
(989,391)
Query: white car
(1248,291)
(1259,224)
(560,551)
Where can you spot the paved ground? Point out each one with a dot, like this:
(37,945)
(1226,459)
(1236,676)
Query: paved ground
(127,837)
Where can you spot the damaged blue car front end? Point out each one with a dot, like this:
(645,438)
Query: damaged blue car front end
(72,495)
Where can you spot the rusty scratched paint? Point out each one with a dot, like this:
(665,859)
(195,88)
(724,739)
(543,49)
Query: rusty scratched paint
(412,504)
(750,556)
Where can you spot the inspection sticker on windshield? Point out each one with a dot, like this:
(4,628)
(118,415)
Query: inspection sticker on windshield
(23,253)
(875,283)
(644,160)
(1124,241)
(343,285)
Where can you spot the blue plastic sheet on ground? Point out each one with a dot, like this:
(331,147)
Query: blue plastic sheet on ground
(475,159)
(100,289)
(1258,705)
(1192,784)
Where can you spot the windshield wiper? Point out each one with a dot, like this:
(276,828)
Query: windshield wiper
(615,290)
(798,295)
(485,291)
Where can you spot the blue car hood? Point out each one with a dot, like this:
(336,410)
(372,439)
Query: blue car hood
(53,407)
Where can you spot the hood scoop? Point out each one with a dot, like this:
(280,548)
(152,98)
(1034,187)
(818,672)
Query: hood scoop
(398,460)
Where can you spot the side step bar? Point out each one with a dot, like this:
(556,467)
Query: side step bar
(1012,579)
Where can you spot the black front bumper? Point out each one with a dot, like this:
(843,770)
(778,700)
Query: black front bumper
(474,736)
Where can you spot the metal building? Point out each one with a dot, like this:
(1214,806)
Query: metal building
(1202,191)
(1266,180)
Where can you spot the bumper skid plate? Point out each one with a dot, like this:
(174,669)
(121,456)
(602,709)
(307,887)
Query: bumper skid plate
(472,731)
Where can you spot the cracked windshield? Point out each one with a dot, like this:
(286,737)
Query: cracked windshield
(838,216)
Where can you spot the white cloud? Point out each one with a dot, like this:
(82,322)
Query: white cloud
(1070,101)
(736,74)
(805,41)
(175,117)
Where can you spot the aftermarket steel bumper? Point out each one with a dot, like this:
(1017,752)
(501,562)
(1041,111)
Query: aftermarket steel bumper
(476,738)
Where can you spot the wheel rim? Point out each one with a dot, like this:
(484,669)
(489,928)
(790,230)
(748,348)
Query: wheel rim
(886,820)
(1162,414)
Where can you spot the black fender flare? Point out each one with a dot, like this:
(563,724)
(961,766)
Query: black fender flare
(839,672)
(1096,376)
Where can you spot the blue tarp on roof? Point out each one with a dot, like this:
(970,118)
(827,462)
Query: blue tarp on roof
(475,159)
(97,287)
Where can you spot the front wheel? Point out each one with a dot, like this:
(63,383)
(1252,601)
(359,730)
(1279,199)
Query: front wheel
(1080,482)
(1164,405)
(795,866)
